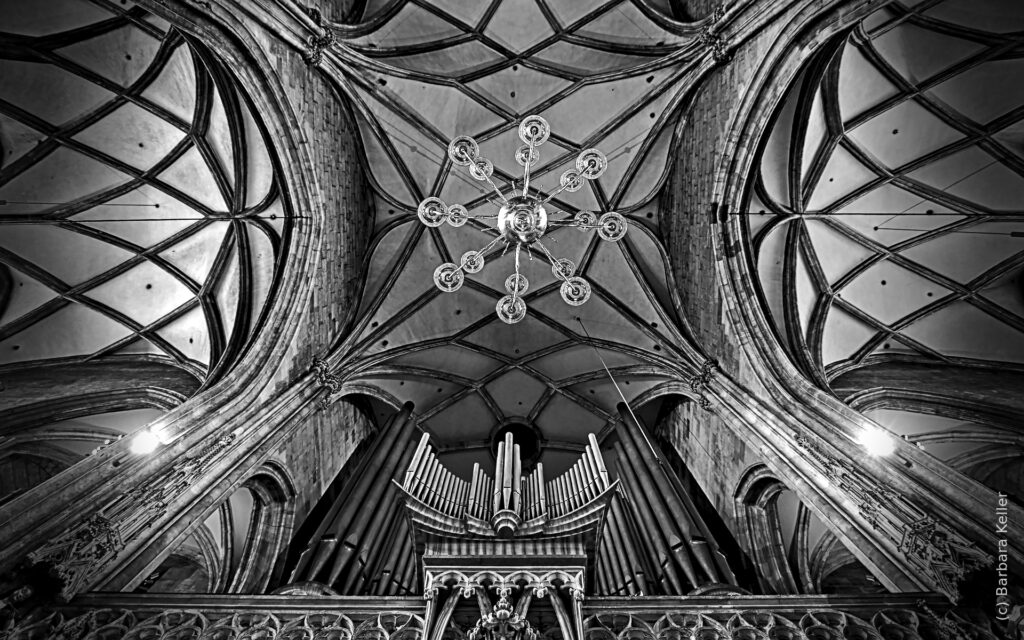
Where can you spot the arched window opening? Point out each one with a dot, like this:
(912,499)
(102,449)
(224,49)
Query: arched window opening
(31,456)
(795,553)
(992,455)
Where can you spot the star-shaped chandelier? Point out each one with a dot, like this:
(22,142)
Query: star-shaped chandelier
(522,219)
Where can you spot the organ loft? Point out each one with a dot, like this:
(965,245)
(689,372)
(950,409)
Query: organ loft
(511,320)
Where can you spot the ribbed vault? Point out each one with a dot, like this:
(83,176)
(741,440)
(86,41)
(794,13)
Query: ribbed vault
(142,214)
(604,74)
(882,208)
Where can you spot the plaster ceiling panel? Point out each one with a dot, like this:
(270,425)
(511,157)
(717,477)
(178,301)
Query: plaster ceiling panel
(997,187)
(918,54)
(137,50)
(652,262)
(469,13)
(144,293)
(388,253)
(451,359)
(518,340)
(412,25)
(842,175)
(518,25)
(564,420)
(25,18)
(861,84)
(769,270)
(987,339)
(420,154)
(889,292)
(63,176)
(196,254)
(190,175)
(226,291)
(817,130)
(602,392)
(416,278)
(1012,137)
(453,61)
(904,133)
(140,346)
(80,258)
(154,216)
(952,169)
(25,295)
(175,88)
(132,135)
(997,16)
(586,112)
(219,137)
(449,109)
(443,315)
(836,253)
(73,330)
(1008,291)
(775,157)
(892,228)
(42,90)
(261,252)
(602,321)
(986,91)
(610,270)
(423,392)
(569,12)
(806,291)
(623,144)
(384,172)
(965,256)
(259,169)
(188,334)
(16,139)
(578,359)
(467,420)
(626,24)
(585,61)
(644,185)
(843,336)
(520,88)
(516,392)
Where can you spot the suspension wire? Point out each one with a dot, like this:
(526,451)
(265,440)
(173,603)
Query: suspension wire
(617,388)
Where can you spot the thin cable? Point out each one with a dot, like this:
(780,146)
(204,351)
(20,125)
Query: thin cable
(200,219)
(616,385)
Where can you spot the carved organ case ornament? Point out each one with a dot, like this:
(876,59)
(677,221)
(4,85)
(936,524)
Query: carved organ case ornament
(512,535)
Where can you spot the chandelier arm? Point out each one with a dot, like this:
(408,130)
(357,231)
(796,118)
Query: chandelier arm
(515,290)
(526,171)
(496,190)
(553,261)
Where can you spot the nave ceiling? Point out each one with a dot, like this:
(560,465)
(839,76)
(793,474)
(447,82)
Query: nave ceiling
(609,75)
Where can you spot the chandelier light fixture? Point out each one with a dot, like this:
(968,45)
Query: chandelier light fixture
(522,219)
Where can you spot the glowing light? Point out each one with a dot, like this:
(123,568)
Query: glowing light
(145,442)
(876,442)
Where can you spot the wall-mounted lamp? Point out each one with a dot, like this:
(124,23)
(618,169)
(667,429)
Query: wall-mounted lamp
(876,442)
(145,442)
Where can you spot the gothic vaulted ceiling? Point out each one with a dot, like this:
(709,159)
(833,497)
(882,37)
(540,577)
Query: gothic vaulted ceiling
(140,211)
(605,74)
(884,202)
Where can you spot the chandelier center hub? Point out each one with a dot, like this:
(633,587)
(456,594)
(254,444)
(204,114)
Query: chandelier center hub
(523,219)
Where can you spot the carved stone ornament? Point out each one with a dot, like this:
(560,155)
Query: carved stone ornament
(939,552)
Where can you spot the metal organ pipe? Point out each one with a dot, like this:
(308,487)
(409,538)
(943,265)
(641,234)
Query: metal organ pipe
(323,545)
(647,513)
(681,520)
